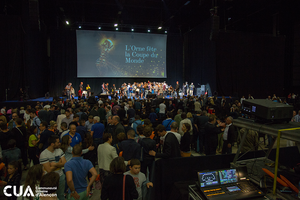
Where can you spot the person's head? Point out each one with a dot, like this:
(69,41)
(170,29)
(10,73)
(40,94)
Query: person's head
(91,118)
(3,126)
(161,130)
(53,125)
(19,121)
(121,137)
(72,129)
(229,120)
(64,126)
(186,127)
(34,176)
(116,120)
(135,166)
(117,166)
(204,113)
(50,182)
(76,118)
(147,122)
(147,131)
(140,130)
(53,141)
(77,150)
(125,121)
(189,115)
(43,126)
(107,137)
(183,115)
(294,113)
(130,134)
(65,142)
(169,114)
(174,127)
(179,111)
(96,119)
(137,117)
(33,130)
(212,119)
(14,167)
(82,122)
(68,113)
(109,119)
(14,116)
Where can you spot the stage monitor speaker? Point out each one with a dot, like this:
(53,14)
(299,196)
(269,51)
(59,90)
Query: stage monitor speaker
(103,96)
(151,96)
(267,109)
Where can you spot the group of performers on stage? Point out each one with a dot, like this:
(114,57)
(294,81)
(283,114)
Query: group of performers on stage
(137,90)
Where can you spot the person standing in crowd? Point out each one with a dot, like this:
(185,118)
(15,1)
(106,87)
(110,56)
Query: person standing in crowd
(75,137)
(76,171)
(112,187)
(185,141)
(171,147)
(211,135)
(167,122)
(53,159)
(228,136)
(97,131)
(32,145)
(60,118)
(106,153)
(118,128)
(44,136)
(68,119)
(20,135)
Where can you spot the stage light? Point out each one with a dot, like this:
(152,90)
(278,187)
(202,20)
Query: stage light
(166,31)
(148,30)
(99,27)
(67,22)
(79,26)
(117,29)
(132,29)
(115,25)
(160,27)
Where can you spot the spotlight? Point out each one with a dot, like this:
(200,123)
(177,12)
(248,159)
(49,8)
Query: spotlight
(148,30)
(99,27)
(132,29)
(67,22)
(166,31)
(115,25)
(79,26)
(117,29)
(160,27)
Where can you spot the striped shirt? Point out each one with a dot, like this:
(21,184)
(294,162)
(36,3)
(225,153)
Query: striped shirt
(48,156)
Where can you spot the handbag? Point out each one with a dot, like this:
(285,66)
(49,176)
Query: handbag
(98,185)
(124,177)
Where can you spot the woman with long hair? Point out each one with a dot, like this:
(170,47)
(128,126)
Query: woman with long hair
(67,149)
(33,179)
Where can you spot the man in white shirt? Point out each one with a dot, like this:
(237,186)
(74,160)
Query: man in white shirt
(162,109)
(185,120)
(60,118)
(174,130)
(3,110)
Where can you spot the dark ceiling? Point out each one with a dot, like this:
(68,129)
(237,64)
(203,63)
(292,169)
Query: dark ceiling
(178,16)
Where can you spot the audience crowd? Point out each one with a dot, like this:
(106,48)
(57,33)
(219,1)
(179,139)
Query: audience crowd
(65,141)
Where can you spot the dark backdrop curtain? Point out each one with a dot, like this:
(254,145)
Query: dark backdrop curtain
(63,64)
(11,56)
(200,56)
(249,63)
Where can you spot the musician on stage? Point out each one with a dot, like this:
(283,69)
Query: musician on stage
(192,89)
(106,88)
(187,88)
(103,88)
(88,90)
(177,88)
